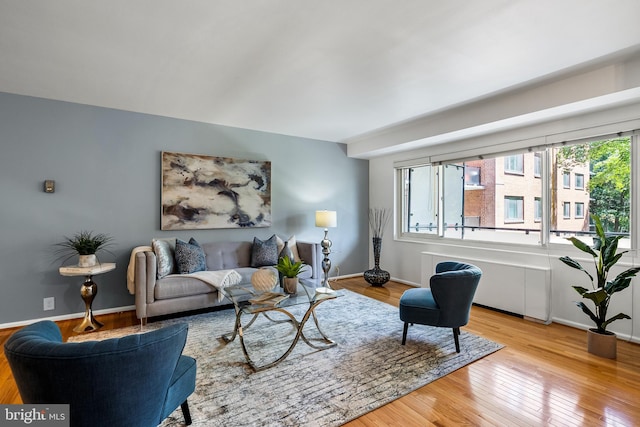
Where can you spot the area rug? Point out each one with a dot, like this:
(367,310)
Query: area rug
(367,369)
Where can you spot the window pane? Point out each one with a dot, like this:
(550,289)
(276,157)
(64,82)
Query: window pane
(566,179)
(489,212)
(513,209)
(537,209)
(453,200)
(537,165)
(603,169)
(514,164)
(420,204)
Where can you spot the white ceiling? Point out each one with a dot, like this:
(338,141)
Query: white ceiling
(329,69)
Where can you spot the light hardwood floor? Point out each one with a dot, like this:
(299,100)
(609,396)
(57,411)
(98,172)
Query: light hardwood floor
(543,376)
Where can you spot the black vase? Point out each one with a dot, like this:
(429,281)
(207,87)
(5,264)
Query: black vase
(285,252)
(376,276)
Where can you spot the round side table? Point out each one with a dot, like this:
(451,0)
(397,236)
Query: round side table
(88,291)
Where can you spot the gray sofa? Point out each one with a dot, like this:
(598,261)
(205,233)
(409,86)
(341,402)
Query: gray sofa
(175,293)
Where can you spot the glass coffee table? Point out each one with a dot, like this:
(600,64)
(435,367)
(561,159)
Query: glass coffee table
(247,301)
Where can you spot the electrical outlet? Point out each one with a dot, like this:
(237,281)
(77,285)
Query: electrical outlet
(49,303)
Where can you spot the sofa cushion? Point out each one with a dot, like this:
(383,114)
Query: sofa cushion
(265,252)
(227,255)
(189,257)
(176,286)
(164,250)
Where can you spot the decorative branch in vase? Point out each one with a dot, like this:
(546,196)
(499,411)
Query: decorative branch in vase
(378,219)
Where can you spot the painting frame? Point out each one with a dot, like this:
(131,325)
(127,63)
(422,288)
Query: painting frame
(209,192)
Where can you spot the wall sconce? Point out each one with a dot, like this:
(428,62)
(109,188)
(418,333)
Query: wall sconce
(49,186)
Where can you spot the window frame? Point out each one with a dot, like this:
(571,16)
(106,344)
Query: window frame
(519,209)
(519,170)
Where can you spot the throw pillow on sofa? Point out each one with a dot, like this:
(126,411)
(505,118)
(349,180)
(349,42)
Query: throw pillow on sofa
(264,252)
(189,257)
(164,250)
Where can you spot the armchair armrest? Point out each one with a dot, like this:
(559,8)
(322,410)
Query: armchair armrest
(145,281)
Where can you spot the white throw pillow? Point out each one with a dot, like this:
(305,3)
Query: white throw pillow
(292,245)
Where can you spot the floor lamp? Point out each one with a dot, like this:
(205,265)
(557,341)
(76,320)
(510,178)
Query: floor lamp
(326,219)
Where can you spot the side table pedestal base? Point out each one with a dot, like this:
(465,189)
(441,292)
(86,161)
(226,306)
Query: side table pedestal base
(88,292)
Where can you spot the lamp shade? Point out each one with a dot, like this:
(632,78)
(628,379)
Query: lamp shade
(326,219)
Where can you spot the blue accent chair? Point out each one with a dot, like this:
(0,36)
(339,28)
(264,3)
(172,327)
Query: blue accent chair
(447,303)
(135,380)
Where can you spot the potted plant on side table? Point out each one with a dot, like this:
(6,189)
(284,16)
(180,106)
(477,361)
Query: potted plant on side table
(86,245)
(604,252)
(290,270)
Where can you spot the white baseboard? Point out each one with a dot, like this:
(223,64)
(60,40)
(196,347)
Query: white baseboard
(67,316)
(623,337)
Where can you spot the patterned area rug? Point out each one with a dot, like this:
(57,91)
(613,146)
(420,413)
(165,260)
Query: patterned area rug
(367,369)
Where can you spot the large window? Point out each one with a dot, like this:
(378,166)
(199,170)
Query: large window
(511,198)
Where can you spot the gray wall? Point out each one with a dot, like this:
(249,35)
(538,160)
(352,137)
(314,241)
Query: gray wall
(106,164)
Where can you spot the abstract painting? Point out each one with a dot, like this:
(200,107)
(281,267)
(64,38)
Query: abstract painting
(214,192)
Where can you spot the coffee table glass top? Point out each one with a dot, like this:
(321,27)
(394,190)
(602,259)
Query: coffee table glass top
(251,301)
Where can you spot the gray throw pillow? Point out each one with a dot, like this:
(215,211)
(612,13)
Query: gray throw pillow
(265,252)
(189,257)
(165,256)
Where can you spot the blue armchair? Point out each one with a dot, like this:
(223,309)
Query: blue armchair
(136,380)
(447,303)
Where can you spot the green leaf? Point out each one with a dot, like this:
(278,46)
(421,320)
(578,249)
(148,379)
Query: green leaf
(618,316)
(599,229)
(575,264)
(582,246)
(588,312)
(598,296)
(580,290)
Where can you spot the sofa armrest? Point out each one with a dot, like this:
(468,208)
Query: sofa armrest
(310,254)
(145,281)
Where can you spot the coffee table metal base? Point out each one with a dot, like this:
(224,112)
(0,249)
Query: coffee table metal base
(238,331)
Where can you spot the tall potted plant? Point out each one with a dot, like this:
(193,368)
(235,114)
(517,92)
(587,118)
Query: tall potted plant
(605,255)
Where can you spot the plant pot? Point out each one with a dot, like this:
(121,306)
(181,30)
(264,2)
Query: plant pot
(290,285)
(86,260)
(602,345)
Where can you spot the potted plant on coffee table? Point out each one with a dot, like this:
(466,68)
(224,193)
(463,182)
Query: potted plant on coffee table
(605,255)
(86,245)
(290,270)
